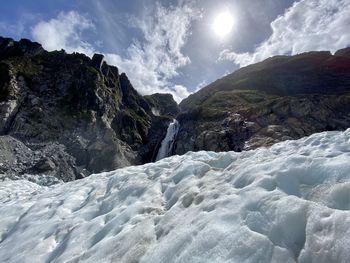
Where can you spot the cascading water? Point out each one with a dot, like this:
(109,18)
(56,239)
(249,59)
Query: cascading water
(168,142)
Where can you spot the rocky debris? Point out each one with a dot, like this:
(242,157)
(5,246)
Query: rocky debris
(44,165)
(14,155)
(281,98)
(78,115)
(17,159)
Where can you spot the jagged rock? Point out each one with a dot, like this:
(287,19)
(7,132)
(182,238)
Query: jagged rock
(44,165)
(11,48)
(96,61)
(79,112)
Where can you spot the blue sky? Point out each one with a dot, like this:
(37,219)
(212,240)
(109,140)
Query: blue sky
(170,46)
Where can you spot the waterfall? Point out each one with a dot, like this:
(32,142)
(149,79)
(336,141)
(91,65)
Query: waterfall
(168,142)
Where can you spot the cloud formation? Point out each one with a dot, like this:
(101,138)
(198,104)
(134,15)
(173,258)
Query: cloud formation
(150,63)
(16,29)
(307,25)
(153,63)
(65,32)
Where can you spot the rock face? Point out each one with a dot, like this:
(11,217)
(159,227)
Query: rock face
(163,104)
(69,116)
(281,98)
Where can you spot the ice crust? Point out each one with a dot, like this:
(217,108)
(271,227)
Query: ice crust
(288,203)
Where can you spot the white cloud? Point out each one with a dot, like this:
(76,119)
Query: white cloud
(201,85)
(307,25)
(179,92)
(15,29)
(153,63)
(65,32)
(150,63)
(19,27)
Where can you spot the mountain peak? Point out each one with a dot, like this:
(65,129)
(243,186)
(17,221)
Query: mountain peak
(79,114)
(10,47)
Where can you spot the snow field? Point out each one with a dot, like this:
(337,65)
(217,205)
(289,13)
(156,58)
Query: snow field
(288,203)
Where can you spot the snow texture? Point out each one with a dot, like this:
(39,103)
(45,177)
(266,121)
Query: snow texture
(288,203)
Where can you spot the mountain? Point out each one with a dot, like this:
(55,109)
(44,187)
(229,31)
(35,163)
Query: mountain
(69,116)
(287,203)
(281,98)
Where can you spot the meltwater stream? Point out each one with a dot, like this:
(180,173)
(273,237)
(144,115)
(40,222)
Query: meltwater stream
(168,142)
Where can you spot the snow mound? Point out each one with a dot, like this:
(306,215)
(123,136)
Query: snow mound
(288,203)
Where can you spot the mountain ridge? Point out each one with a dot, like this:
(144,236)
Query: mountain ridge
(69,115)
(312,58)
(280,98)
(76,115)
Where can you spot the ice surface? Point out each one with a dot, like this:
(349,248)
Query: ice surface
(42,179)
(288,203)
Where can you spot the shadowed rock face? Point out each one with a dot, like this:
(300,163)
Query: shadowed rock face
(73,115)
(281,98)
(163,104)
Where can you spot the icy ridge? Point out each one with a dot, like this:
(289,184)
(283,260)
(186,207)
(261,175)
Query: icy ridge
(288,203)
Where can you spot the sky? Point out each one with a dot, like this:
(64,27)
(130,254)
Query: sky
(173,46)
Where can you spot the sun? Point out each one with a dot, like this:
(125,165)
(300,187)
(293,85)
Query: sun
(223,24)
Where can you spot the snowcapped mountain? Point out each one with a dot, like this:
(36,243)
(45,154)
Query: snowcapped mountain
(287,203)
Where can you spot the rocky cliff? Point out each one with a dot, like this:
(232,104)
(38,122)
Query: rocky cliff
(281,98)
(69,116)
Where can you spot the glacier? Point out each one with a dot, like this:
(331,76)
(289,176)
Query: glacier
(286,203)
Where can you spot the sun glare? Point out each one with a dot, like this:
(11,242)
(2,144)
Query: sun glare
(223,24)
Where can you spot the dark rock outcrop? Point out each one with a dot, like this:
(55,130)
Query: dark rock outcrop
(11,48)
(71,115)
(281,98)
(163,104)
